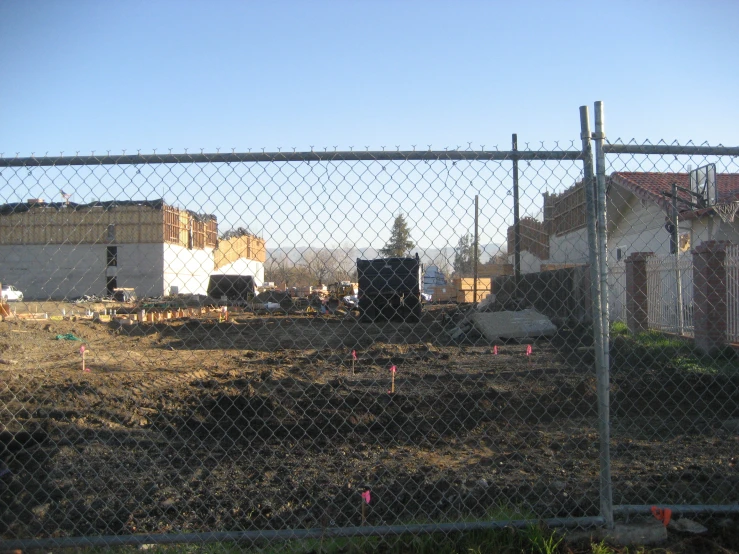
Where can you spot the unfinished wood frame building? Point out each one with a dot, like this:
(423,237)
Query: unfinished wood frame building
(561,239)
(67,250)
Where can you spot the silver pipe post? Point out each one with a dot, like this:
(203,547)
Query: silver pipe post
(600,176)
(671,150)
(516,221)
(292,157)
(476,254)
(603,372)
(606,494)
(678,276)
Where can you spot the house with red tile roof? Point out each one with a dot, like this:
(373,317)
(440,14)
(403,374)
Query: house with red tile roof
(639,211)
(639,219)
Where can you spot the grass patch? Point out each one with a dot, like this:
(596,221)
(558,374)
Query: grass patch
(659,351)
(619,329)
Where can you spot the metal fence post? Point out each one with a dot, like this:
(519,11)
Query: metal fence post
(600,175)
(516,215)
(603,374)
(678,276)
(476,252)
(606,496)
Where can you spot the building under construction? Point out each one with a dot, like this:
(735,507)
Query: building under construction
(68,250)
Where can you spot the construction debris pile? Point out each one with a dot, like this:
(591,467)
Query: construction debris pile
(481,321)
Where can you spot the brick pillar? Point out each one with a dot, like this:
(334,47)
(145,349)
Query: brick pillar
(636,291)
(709,295)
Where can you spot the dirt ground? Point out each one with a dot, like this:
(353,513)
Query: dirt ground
(261,423)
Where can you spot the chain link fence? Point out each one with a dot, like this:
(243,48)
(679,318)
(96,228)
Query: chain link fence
(674,364)
(263,346)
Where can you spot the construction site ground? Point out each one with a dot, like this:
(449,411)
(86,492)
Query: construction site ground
(259,422)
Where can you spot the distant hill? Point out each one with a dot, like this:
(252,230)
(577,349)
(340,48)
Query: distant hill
(428,256)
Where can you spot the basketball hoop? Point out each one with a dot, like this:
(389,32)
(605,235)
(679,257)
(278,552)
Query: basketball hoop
(726,210)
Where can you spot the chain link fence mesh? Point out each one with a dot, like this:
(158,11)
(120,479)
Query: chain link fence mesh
(198,349)
(674,369)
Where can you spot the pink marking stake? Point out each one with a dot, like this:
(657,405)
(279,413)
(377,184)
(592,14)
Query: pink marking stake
(392,380)
(366,497)
(82,351)
(495,350)
(354,359)
(528,352)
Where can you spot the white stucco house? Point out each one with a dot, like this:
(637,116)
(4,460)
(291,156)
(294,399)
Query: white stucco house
(637,215)
(638,220)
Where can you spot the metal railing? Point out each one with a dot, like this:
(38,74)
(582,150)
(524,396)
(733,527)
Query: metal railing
(665,301)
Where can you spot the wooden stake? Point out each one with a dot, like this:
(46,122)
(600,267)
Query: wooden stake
(82,351)
(392,380)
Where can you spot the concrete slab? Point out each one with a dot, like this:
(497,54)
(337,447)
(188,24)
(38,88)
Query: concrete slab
(621,535)
(513,325)
(636,535)
(685,525)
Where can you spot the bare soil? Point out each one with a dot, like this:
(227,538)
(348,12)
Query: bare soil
(260,423)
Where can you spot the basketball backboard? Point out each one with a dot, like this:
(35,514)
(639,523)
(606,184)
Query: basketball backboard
(703,182)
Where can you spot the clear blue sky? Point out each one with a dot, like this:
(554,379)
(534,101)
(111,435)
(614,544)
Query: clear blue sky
(92,75)
(87,75)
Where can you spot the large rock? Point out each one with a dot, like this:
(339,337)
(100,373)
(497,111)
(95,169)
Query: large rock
(513,325)
(686,525)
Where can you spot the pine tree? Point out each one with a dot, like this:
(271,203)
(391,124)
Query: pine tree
(464,256)
(400,242)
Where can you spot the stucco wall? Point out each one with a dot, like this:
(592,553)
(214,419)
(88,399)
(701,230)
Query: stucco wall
(571,248)
(69,271)
(54,271)
(188,270)
(529,262)
(642,229)
(140,268)
(712,228)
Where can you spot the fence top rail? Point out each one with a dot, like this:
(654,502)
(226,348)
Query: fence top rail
(673,149)
(256,157)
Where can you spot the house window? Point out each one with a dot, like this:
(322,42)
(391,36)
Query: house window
(112,256)
(111,233)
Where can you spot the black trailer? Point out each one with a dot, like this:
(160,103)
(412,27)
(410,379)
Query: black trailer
(390,288)
(237,288)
